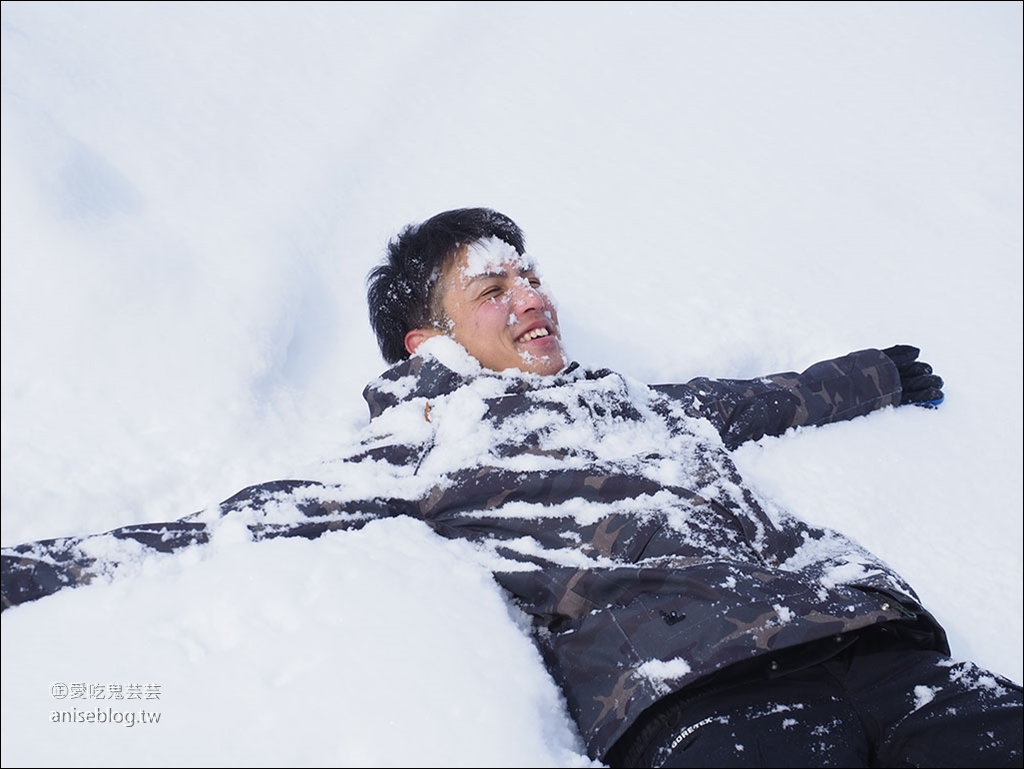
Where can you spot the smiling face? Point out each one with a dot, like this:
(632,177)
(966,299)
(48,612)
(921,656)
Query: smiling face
(493,305)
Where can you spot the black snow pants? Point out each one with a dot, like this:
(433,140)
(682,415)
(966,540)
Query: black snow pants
(878,702)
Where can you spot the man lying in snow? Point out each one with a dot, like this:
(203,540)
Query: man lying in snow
(688,621)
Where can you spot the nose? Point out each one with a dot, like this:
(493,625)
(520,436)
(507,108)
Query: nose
(526,297)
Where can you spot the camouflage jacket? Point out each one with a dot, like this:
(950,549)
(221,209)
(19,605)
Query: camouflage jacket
(609,510)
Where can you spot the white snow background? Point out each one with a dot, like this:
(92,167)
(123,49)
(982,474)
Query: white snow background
(193,194)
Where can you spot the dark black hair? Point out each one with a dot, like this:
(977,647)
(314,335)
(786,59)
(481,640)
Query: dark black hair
(400,291)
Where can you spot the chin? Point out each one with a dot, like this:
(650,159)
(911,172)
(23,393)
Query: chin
(543,364)
(546,366)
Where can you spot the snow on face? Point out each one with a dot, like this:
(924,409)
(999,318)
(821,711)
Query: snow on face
(485,255)
(498,311)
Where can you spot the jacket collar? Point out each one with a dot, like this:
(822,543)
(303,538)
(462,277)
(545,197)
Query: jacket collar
(427,377)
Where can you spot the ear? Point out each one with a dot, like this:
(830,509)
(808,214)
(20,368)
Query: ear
(418,336)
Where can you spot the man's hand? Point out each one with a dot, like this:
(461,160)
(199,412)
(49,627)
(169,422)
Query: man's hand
(920,386)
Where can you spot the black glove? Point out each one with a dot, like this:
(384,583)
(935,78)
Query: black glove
(920,386)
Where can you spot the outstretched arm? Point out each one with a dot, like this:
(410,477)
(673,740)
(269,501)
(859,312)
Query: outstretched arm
(277,509)
(829,391)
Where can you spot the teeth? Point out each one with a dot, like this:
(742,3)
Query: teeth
(537,332)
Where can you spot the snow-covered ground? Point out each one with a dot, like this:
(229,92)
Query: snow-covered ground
(193,194)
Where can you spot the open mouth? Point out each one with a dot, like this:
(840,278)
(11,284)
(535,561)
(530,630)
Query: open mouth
(536,333)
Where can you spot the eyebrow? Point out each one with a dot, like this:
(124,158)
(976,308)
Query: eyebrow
(499,274)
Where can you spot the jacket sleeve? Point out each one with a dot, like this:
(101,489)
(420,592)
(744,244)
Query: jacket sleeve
(37,569)
(830,391)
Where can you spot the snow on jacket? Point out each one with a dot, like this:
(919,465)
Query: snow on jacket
(609,510)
